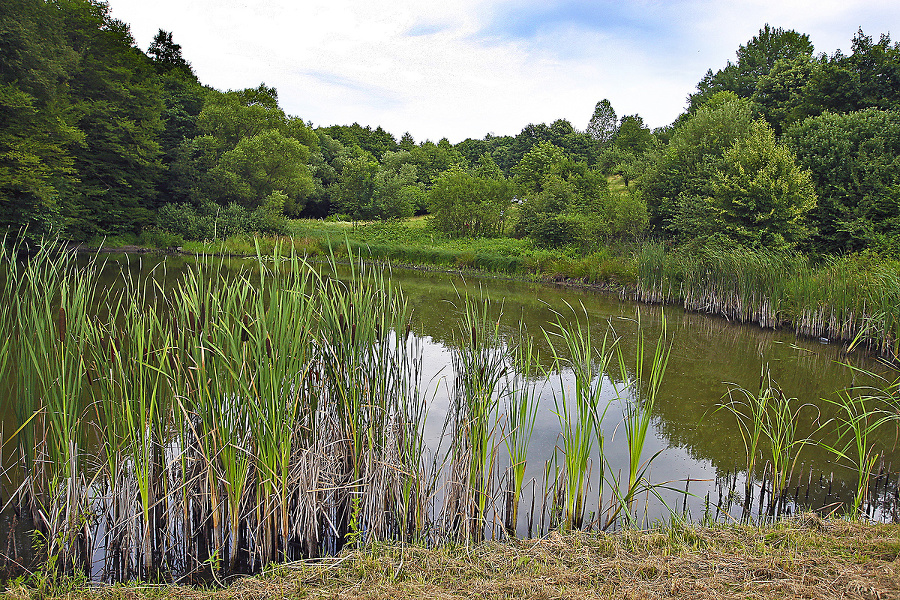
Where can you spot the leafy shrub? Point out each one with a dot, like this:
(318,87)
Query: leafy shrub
(211,221)
(160,238)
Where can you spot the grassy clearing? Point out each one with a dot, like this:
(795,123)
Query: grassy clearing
(800,558)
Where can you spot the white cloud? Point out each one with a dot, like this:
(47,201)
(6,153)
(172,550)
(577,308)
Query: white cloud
(451,69)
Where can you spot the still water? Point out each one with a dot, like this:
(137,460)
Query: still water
(694,446)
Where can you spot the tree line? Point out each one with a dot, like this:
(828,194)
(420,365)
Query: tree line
(779,149)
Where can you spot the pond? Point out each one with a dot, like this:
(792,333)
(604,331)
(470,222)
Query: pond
(692,444)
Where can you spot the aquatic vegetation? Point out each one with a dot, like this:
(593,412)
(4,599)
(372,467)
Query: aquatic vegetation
(521,401)
(862,412)
(638,393)
(277,411)
(845,298)
(479,365)
(579,406)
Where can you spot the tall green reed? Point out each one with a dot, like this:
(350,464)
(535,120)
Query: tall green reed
(638,393)
(478,365)
(750,410)
(857,424)
(773,417)
(863,411)
(579,406)
(521,400)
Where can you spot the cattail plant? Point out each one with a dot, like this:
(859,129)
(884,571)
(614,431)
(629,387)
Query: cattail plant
(638,394)
(579,405)
(521,401)
(478,366)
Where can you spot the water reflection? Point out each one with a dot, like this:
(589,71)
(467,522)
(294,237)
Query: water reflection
(697,448)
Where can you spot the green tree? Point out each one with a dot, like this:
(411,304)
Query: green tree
(486,168)
(117,103)
(754,60)
(36,126)
(407,142)
(855,163)
(263,164)
(392,196)
(778,96)
(602,125)
(166,55)
(633,136)
(868,78)
(233,116)
(680,174)
(355,190)
(543,160)
(761,197)
(463,204)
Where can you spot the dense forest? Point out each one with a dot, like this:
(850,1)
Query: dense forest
(782,148)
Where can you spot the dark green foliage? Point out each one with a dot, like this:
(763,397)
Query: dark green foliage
(36,129)
(117,103)
(374,141)
(855,164)
(633,136)
(779,94)
(166,55)
(754,60)
(79,148)
(723,177)
(212,221)
(868,78)
(685,168)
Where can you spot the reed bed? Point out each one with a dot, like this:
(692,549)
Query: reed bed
(276,413)
(242,420)
(848,299)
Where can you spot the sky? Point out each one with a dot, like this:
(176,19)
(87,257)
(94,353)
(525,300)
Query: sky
(466,68)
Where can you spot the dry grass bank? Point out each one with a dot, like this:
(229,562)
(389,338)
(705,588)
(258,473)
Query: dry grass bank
(801,558)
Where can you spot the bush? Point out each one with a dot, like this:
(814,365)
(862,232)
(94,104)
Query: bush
(160,238)
(181,219)
(212,221)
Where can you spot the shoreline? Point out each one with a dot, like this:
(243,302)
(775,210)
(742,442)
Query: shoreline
(801,557)
(623,292)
